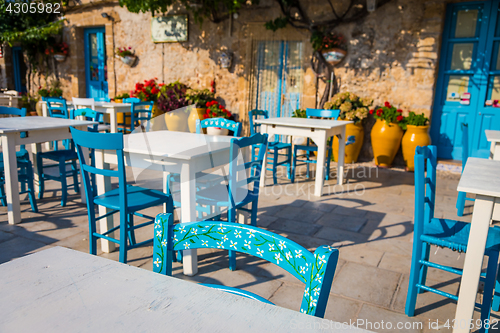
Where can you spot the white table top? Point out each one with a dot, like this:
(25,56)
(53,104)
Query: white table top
(481,176)
(303,122)
(180,145)
(492,136)
(62,290)
(33,123)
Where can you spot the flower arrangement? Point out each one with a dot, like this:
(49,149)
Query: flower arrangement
(390,114)
(199,98)
(415,120)
(147,91)
(321,41)
(172,96)
(54,90)
(216,110)
(299,113)
(124,51)
(60,48)
(122,96)
(352,107)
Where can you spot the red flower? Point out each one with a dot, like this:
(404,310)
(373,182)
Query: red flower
(154,90)
(208,104)
(221,107)
(387,104)
(399,118)
(371,111)
(205,116)
(380,112)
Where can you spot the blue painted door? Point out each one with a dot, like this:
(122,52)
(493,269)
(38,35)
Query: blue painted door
(278,77)
(468,68)
(96,71)
(19,67)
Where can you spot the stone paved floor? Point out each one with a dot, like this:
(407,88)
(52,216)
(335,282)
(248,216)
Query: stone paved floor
(369,219)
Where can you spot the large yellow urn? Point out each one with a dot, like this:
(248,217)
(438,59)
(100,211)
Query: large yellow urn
(195,114)
(177,120)
(414,136)
(386,139)
(354,141)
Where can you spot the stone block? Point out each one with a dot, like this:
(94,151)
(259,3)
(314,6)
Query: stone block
(294,226)
(380,320)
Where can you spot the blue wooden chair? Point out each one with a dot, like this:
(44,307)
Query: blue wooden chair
(57,107)
(230,125)
(141,112)
(124,127)
(451,234)
(317,113)
(465,156)
(240,188)
(274,147)
(25,168)
(127,200)
(316,270)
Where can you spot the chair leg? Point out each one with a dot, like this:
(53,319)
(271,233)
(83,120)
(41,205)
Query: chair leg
(275,165)
(289,161)
(231,217)
(416,267)
(74,169)
(461,203)
(2,195)
(328,161)
(294,164)
(307,164)
(31,188)
(131,231)
(253,217)
(491,273)
(123,237)
(426,250)
(64,185)
(41,181)
(496,295)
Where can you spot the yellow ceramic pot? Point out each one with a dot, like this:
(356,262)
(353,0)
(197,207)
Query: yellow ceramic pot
(386,139)
(414,136)
(195,114)
(353,149)
(177,121)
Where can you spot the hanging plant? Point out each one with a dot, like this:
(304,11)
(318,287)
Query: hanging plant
(126,55)
(332,46)
(59,51)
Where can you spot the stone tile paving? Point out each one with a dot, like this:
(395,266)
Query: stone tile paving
(370,219)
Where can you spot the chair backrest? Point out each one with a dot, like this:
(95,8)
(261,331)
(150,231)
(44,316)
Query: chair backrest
(254,114)
(88,114)
(104,141)
(140,112)
(465,144)
(219,122)
(320,113)
(56,107)
(83,103)
(316,270)
(9,111)
(131,99)
(425,184)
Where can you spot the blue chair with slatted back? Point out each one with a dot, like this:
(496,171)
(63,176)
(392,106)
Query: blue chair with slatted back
(57,108)
(240,188)
(451,234)
(230,125)
(465,156)
(274,146)
(141,112)
(25,168)
(127,200)
(124,127)
(316,270)
(316,113)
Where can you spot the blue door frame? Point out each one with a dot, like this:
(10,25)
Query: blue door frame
(468,63)
(17,58)
(96,73)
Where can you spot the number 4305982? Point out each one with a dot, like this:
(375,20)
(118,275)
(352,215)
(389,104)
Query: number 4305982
(33,7)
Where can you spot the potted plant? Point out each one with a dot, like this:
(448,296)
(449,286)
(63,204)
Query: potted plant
(332,46)
(353,108)
(417,134)
(126,55)
(216,110)
(386,134)
(119,98)
(172,97)
(53,90)
(198,99)
(120,115)
(58,51)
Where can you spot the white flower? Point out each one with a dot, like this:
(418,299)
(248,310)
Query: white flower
(313,301)
(298,253)
(237,234)
(288,255)
(260,252)
(182,230)
(157,262)
(186,245)
(204,242)
(278,258)
(330,248)
(271,247)
(195,231)
(164,243)
(233,245)
(219,245)
(302,270)
(250,233)
(175,238)
(302,310)
(158,233)
(247,244)
(221,228)
(282,245)
(224,238)
(321,259)
(316,291)
(306,291)
(319,279)
(157,224)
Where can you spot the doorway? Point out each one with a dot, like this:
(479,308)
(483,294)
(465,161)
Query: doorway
(96,70)
(20,69)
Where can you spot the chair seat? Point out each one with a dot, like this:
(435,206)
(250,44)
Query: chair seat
(238,292)
(455,235)
(22,154)
(137,198)
(279,145)
(56,155)
(218,196)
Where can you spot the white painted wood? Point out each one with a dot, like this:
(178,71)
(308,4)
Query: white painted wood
(320,163)
(35,149)
(103,185)
(62,290)
(317,130)
(481,176)
(11,178)
(262,183)
(188,214)
(494,138)
(34,123)
(481,219)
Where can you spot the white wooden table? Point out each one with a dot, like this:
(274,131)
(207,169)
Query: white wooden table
(105,107)
(319,130)
(62,290)
(494,138)
(480,177)
(38,130)
(168,152)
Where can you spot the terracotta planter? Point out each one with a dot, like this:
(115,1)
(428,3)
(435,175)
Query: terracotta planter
(195,114)
(386,139)
(414,136)
(177,121)
(334,56)
(217,131)
(354,141)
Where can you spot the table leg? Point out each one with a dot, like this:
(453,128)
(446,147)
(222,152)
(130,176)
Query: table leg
(480,224)
(45,113)
(495,151)
(11,177)
(340,162)
(104,185)
(320,140)
(263,129)
(188,214)
(112,121)
(85,153)
(35,149)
